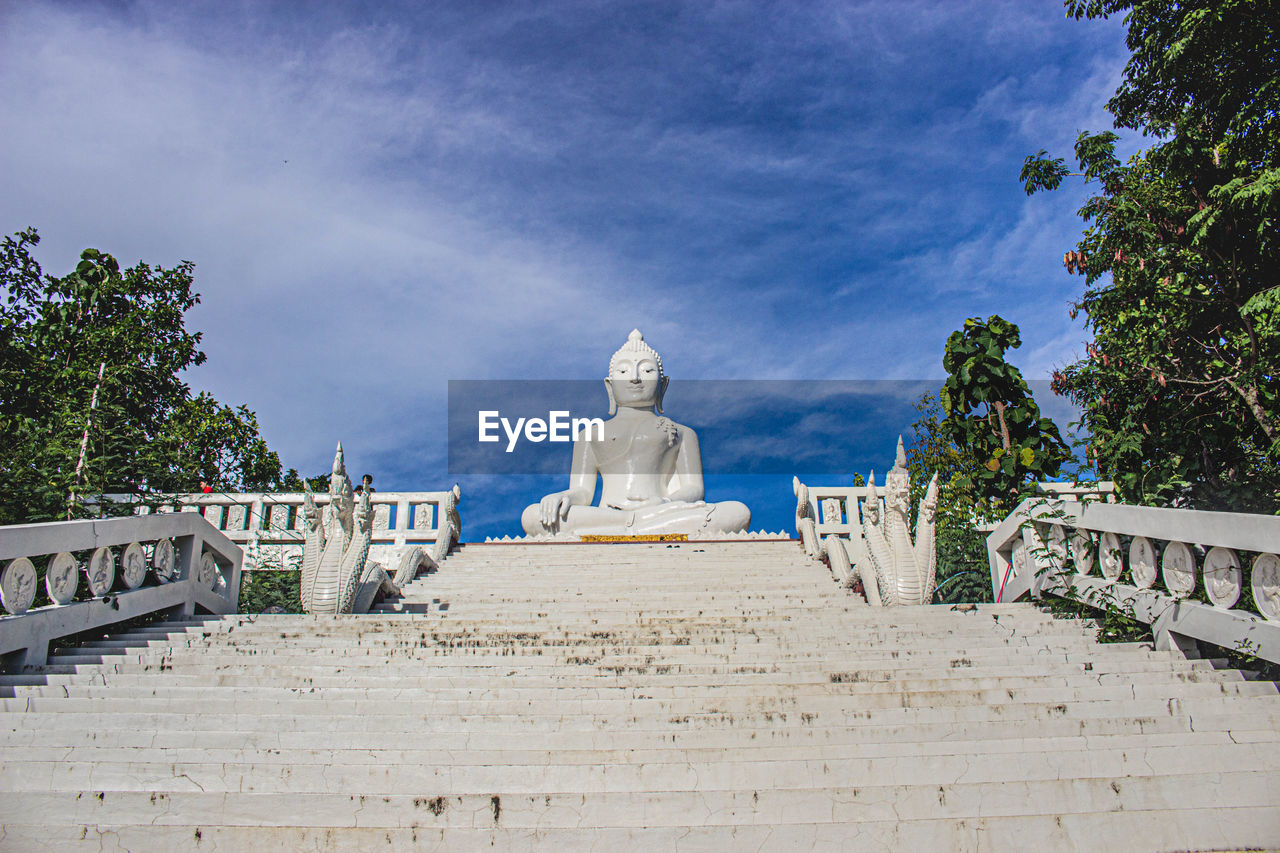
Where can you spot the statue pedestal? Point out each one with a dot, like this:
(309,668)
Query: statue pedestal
(640,538)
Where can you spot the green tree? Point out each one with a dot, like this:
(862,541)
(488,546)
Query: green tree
(275,586)
(91,397)
(991,418)
(206,441)
(984,437)
(1180,388)
(961,546)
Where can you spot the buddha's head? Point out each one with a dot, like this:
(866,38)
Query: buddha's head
(635,376)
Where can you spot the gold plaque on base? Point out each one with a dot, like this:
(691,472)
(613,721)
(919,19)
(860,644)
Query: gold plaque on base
(639,537)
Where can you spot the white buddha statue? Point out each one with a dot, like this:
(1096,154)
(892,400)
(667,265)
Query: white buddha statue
(650,466)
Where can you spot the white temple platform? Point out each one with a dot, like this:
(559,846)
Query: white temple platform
(711,536)
(668,696)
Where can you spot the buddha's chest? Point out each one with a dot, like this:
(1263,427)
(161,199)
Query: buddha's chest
(636,447)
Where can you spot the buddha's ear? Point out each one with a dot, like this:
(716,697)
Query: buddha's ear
(613,403)
(662,391)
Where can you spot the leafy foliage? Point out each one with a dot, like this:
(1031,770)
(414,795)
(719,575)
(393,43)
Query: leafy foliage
(962,549)
(990,414)
(985,438)
(91,398)
(275,588)
(1114,624)
(205,441)
(1181,385)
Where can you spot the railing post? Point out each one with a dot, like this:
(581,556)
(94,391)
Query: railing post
(189,550)
(1168,640)
(424,516)
(257,523)
(36,654)
(402,521)
(1038,562)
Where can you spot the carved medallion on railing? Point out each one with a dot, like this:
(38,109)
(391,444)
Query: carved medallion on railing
(1178,569)
(62,578)
(1142,562)
(1265,585)
(1222,577)
(18,585)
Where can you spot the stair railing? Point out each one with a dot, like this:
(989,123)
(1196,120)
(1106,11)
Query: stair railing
(269,525)
(64,578)
(1189,574)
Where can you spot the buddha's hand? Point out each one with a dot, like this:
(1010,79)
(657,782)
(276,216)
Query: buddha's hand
(554,509)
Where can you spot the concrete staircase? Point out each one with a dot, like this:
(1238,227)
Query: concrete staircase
(692,696)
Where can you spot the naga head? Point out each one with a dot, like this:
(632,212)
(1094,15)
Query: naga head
(871,505)
(802,497)
(929,507)
(897,484)
(341,495)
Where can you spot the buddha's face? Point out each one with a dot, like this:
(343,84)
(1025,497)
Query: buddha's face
(635,380)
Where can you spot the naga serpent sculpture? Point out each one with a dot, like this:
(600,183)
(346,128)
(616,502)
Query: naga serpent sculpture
(905,572)
(337,576)
(893,570)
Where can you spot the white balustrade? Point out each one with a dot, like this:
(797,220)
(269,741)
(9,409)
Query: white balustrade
(258,521)
(837,510)
(1190,574)
(173,563)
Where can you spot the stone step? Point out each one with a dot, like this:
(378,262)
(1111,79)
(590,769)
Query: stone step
(850,662)
(568,689)
(644,809)
(941,620)
(673,775)
(930,619)
(1108,669)
(592,554)
(602,699)
(687,573)
(1200,828)
(1012,613)
(620,614)
(603,636)
(679,580)
(455,621)
(705,641)
(653,646)
(677,633)
(410,661)
(223,747)
(618,643)
(543,629)
(554,613)
(313,715)
(675,650)
(729,707)
(696,733)
(237,752)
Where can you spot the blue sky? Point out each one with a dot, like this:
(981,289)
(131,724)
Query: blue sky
(379,198)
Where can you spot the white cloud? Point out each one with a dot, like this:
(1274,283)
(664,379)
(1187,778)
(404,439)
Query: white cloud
(378,202)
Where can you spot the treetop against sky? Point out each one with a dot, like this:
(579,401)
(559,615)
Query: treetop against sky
(379,199)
